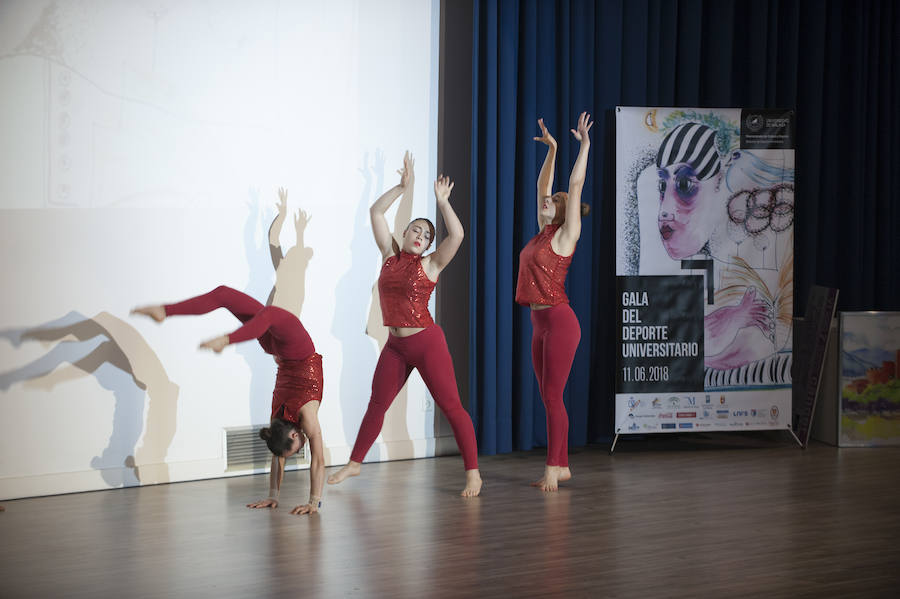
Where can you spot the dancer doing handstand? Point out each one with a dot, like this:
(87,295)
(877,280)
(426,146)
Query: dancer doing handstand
(298,383)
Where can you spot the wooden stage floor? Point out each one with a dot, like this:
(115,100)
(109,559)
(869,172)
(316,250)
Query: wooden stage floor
(697,516)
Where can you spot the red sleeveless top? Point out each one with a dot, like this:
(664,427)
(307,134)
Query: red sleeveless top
(297,383)
(542,272)
(404,290)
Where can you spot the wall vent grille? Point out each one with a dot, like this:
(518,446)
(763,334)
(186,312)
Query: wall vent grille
(244,450)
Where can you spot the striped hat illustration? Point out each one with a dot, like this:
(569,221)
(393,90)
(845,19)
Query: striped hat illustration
(693,144)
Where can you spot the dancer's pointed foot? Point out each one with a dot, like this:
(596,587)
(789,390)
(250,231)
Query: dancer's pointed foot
(216,345)
(473,483)
(157,313)
(351,469)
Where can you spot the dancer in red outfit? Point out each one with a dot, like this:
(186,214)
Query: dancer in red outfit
(404,286)
(543,265)
(298,383)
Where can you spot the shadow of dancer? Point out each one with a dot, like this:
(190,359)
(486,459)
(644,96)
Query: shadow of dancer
(260,283)
(119,358)
(298,386)
(289,290)
(407,280)
(350,305)
(394,433)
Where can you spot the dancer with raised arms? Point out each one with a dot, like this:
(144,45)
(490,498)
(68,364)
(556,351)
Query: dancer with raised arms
(543,265)
(407,280)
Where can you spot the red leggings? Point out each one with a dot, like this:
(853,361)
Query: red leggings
(553,345)
(279,332)
(427,351)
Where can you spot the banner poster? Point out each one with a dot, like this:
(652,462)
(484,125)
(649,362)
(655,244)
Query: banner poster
(870,380)
(704,269)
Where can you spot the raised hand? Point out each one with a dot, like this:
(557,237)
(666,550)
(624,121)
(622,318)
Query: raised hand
(545,136)
(755,311)
(442,188)
(275,227)
(584,125)
(301,219)
(408,170)
(282,203)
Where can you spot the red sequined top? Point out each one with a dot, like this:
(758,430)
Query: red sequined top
(542,272)
(404,290)
(297,383)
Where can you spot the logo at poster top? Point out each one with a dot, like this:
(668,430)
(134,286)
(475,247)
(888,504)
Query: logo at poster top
(754,122)
(656,403)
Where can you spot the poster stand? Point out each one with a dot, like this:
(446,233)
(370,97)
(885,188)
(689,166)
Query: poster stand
(814,335)
(704,270)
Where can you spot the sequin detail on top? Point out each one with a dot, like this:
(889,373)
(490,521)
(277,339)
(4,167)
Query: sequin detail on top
(297,383)
(404,290)
(542,272)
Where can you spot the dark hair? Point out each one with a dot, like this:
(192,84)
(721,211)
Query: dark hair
(278,436)
(430,228)
(562,200)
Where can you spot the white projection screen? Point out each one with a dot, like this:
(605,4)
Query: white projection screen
(143,146)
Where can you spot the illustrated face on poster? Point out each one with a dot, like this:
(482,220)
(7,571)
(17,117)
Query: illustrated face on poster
(710,193)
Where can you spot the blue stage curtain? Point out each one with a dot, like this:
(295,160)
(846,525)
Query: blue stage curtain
(837,63)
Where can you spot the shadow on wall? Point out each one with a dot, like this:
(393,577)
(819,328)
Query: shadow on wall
(394,433)
(357,350)
(350,300)
(288,292)
(260,283)
(119,358)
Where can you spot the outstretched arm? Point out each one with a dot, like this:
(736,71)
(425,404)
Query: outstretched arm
(252,329)
(380,228)
(545,178)
(313,431)
(570,231)
(455,234)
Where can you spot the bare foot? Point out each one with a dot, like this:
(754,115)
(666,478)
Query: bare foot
(217,344)
(351,469)
(157,313)
(473,483)
(553,475)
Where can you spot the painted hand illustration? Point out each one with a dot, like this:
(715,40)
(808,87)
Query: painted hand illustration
(723,326)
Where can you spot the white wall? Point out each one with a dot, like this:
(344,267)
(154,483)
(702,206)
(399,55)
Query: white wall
(142,146)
